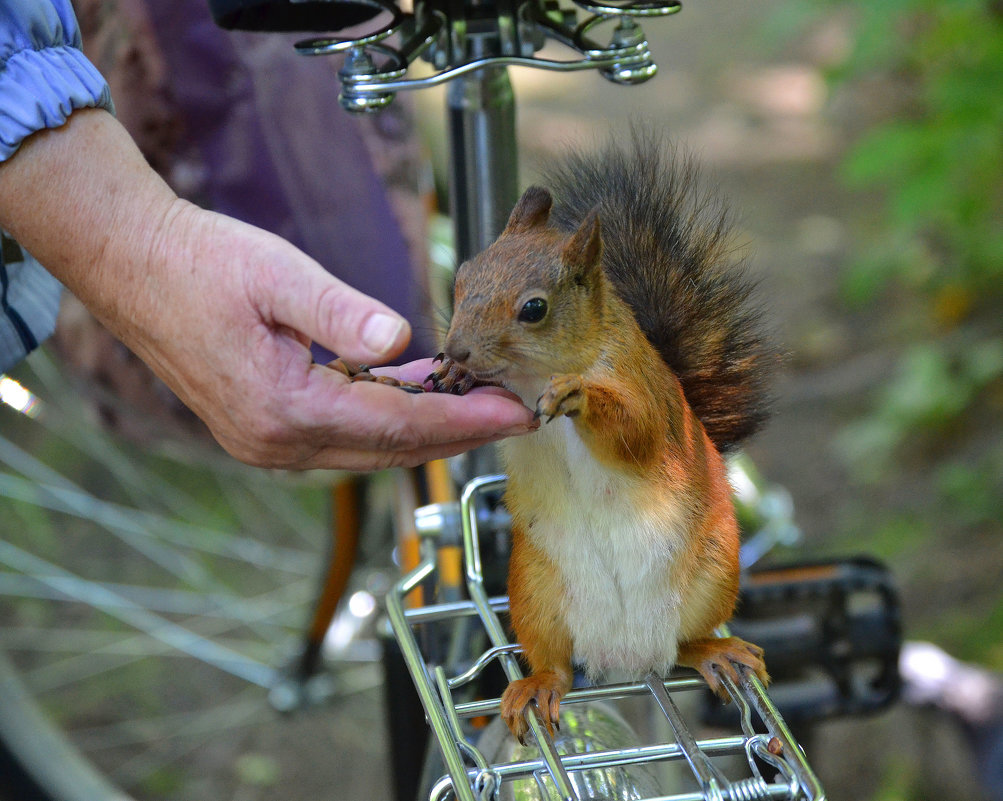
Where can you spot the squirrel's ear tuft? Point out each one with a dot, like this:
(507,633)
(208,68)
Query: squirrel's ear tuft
(533,209)
(582,252)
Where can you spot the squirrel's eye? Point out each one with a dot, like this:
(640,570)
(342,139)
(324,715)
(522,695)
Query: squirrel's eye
(533,310)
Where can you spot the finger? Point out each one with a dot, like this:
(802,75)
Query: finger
(386,416)
(555,710)
(367,460)
(418,371)
(412,371)
(335,315)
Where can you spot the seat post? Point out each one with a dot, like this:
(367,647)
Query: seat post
(483,160)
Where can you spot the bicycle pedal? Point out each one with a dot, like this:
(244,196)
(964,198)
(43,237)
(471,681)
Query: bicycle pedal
(831,632)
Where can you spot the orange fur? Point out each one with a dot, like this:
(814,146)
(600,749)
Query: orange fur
(625,544)
(535,610)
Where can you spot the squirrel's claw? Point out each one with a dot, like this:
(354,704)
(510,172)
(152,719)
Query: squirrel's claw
(713,657)
(563,395)
(546,689)
(451,377)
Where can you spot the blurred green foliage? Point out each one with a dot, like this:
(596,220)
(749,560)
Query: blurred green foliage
(258,770)
(938,161)
(933,386)
(933,252)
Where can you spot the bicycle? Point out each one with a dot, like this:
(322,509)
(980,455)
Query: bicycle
(481,111)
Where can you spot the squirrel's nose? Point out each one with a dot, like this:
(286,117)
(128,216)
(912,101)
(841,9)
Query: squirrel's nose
(456,350)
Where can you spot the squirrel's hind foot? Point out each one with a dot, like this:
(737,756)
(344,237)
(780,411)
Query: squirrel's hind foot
(546,688)
(715,657)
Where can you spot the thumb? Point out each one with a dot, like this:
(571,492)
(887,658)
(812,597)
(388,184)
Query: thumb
(340,318)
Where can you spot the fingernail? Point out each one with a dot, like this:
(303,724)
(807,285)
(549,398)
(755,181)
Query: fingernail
(381,332)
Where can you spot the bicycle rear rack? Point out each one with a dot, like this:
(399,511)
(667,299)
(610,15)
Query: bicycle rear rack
(473,777)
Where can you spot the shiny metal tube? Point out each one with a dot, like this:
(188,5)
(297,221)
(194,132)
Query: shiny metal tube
(415,662)
(483,168)
(496,632)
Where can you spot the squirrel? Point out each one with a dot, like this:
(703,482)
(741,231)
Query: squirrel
(611,303)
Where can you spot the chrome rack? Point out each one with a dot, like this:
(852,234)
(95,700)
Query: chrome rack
(459,38)
(563,765)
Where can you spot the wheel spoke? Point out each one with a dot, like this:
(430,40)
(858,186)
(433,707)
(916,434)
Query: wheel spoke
(139,529)
(136,616)
(155,599)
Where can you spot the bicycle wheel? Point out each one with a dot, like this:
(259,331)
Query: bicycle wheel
(152,599)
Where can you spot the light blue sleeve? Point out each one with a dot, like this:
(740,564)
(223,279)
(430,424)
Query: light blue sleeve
(44,77)
(29,303)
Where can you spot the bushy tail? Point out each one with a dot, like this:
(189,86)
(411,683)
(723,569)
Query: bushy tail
(666,250)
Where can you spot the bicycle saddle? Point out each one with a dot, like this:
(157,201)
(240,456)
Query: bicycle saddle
(283,16)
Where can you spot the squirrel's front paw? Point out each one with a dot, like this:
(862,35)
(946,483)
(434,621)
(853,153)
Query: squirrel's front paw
(564,394)
(451,377)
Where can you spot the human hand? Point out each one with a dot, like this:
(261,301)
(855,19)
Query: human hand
(224,312)
(245,306)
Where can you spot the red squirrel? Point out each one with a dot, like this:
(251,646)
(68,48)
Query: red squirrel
(616,311)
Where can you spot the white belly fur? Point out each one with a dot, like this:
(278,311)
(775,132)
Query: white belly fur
(613,538)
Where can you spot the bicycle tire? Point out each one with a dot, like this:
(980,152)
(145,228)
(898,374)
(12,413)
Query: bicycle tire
(36,762)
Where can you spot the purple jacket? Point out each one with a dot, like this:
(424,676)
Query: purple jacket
(271,145)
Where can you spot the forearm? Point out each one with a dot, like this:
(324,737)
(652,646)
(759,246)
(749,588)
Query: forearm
(223,311)
(83,201)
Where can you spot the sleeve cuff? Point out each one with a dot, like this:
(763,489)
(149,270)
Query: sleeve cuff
(40,89)
(30,304)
